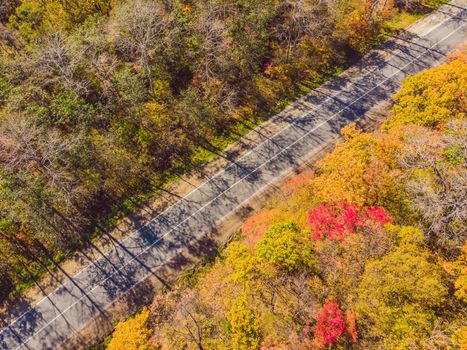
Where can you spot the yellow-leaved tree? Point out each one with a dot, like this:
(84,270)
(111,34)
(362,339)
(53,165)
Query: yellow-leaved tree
(244,325)
(132,334)
(432,97)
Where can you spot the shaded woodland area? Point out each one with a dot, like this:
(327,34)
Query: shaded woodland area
(104,101)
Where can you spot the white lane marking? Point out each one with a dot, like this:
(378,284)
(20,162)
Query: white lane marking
(275,156)
(246,154)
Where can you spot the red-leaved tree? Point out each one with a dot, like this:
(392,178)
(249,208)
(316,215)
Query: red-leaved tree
(330,326)
(336,222)
(333,326)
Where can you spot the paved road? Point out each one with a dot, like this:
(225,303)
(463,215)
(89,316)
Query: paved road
(343,100)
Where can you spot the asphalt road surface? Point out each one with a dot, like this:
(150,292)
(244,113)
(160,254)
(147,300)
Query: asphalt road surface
(66,310)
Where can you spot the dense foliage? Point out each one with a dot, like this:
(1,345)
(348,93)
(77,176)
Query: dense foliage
(102,102)
(132,334)
(364,254)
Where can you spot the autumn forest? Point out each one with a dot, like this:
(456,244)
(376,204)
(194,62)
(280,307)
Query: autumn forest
(105,102)
(102,102)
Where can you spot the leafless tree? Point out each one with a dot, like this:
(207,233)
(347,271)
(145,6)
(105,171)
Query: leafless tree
(26,146)
(305,17)
(59,61)
(213,32)
(438,188)
(143,32)
(184,318)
